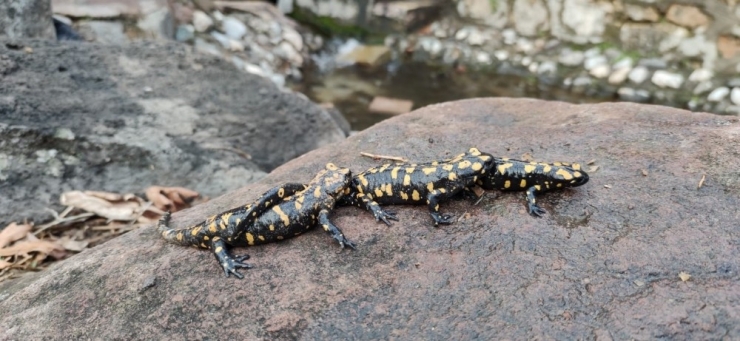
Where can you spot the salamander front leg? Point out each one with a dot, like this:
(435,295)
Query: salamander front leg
(362,201)
(438,195)
(534,210)
(228,263)
(334,231)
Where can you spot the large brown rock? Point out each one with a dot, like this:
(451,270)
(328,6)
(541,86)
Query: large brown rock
(603,263)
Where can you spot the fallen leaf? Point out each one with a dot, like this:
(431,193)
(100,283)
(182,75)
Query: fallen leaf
(593,169)
(122,210)
(644,172)
(12,233)
(26,247)
(607,186)
(169,198)
(4,264)
(73,245)
(684,276)
(478,191)
(701,182)
(591,162)
(109,196)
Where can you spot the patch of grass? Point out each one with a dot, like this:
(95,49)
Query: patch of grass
(327,26)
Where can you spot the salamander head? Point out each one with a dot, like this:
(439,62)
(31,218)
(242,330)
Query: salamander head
(333,180)
(579,177)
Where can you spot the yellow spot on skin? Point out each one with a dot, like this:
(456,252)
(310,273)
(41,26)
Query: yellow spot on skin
(452,176)
(215,239)
(415,196)
(436,207)
(331,166)
(410,170)
(502,168)
(195,231)
(557,164)
(559,185)
(448,167)
(429,170)
(203,246)
(577,174)
(317,192)
(373,170)
(206,238)
(378,193)
(434,163)
(537,187)
(406,180)
(388,190)
(262,238)
(272,227)
(384,167)
(474,151)
(404,196)
(326,227)
(507,184)
(484,157)
(565,174)
(547,169)
(523,183)
(300,199)
(529,169)
(250,239)
(477,166)
(442,190)
(281,192)
(298,205)
(222,224)
(576,166)
(280,237)
(362,180)
(430,187)
(219,249)
(238,220)
(394,173)
(282,215)
(179,236)
(464,164)
(213,217)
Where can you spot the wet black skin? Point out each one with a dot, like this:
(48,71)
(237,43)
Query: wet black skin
(280,213)
(508,174)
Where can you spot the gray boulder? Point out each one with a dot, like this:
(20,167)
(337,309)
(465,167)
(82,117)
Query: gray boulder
(26,19)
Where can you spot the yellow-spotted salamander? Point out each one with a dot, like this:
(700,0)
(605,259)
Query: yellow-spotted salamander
(282,212)
(533,177)
(425,183)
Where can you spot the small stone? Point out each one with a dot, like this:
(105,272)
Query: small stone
(701,75)
(640,13)
(387,105)
(665,79)
(571,58)
(201,21)
(203,46)
(703,87)
(525,45)
(509,36)
(655,63)
(728,46)
(294,38)
(600,71)
(718,94)
(582,81)
(638,74)
(567,82)
(526,60)
(501,55)
(462,34)
(735,96)
(64,134)
(218,16)
(625,63)
(431,45)
(595,61)
(619,75)
(688,16)
(234,28)
(548,67)
(254,69)
(533,67)
(366,54)
(734,82)
(476,38)
(632,95)
(185,33)
(483,58)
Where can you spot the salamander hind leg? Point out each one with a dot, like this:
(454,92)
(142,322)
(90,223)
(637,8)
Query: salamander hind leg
(333,230)
(228,262)
(534,210)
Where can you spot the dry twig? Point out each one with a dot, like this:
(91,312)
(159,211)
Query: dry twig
(385,157)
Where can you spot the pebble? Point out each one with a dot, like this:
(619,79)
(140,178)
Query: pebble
(703,87)
(638,74)
(735,96)
(431,45)
(701,75)
(592,52)
(619,75)
(718,94)
(655,63)
(625,63)
(233,28)
(600,71)
(525,45)
(201,21)
(462,34)
(526,60)
(665,79)
(571,58)
(595,61)
(476,38)
(548,67)
(734,82)
(185,33)
(582,81)
(483,58)
(533,67)
(293,37)
(632,95)
(509,36)
(501,55)
(218,16)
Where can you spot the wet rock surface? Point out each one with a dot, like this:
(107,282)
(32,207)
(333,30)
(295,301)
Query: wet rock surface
(83,116)
(605,261)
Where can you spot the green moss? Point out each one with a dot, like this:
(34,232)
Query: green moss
(327,26)
(494,5)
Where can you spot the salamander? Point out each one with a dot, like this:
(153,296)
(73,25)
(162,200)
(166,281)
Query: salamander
(532,177)
(282,212)
(425,183)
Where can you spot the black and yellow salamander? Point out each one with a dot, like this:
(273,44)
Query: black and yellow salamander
(424,183)
(533,177)
(282,212)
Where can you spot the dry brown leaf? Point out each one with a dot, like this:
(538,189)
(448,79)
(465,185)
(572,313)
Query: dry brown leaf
(684,276)
(108,196)
(12,233)
(25,247)
(169,198)
(4,264)
(73,245)
(123,210)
